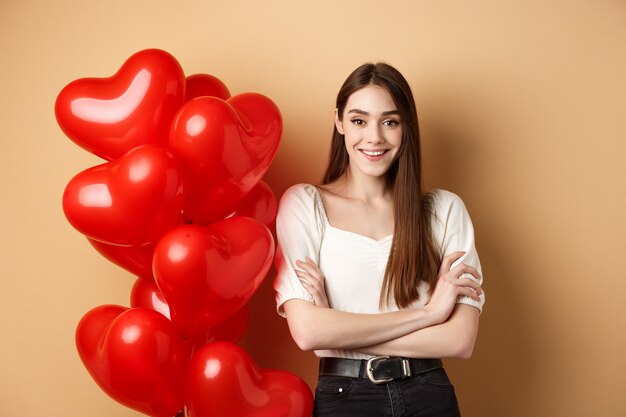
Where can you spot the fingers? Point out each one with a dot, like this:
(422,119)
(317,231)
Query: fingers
(313,281)
(310,268)
(310,275)
(456,277)
(448,260)
(318,294)
(469,293)
(454,283)
(468,284)
(461,269)
(308,283)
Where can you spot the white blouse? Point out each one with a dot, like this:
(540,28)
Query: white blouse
(354,265)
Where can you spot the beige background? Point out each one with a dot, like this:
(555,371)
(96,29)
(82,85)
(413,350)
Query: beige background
(523,114)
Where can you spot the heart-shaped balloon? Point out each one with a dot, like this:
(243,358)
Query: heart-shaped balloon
(231,329)
(145,293)
(199,85)
(208,273)
(136,357)
(135,259)
(111,116)
(130,201)
(260,204)
(224,381)
(225,148)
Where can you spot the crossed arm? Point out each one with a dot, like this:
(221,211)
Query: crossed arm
(441,329)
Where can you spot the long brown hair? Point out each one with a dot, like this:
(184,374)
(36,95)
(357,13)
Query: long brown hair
(413,257)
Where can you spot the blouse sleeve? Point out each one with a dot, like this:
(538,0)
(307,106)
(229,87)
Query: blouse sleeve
(298,229)
(458,235)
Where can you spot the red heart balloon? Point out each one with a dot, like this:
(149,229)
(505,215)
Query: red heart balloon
(208,273)
(225,148)
(130,201)
(199,85)
(135,259)
(146,294)
(224,381)
(111,116)
(231,329)
(260,204)
(136,357)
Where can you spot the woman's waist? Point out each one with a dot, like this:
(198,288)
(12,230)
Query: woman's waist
(378,369)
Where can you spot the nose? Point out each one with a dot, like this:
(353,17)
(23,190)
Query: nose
(375,134)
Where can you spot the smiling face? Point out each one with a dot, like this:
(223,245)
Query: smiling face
(372,130)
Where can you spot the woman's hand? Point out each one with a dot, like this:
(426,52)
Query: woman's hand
(450,285)
(313,281)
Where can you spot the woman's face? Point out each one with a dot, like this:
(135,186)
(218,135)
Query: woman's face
(372,130)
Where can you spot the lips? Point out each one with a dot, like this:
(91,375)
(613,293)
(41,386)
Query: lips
(373,154)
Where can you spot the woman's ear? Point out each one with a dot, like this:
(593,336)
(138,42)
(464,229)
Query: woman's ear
(338,123)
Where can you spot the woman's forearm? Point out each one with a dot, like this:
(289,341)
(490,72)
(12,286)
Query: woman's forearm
(315,328)
(455,338)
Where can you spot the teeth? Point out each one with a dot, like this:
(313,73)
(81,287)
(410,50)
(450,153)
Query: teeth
(372,153)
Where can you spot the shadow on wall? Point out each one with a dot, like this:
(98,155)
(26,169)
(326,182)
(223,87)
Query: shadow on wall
(268,339)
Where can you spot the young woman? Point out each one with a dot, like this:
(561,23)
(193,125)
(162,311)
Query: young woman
(376,276)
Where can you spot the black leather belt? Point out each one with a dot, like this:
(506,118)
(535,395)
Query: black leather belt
(378,369)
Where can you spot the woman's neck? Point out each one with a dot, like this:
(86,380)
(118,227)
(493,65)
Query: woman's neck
(363,187)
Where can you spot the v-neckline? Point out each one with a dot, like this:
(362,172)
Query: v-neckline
(338,229)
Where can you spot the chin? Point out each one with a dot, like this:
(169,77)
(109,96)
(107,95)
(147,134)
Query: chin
(376,172)
(371,169)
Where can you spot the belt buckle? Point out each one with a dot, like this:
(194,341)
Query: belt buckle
(406,369)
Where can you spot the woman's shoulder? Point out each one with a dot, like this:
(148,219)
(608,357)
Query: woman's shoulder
(303,198)
(302,203)
(299,193)
(445,202)
(444,198)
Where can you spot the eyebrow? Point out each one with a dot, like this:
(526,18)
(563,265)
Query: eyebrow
(363,112)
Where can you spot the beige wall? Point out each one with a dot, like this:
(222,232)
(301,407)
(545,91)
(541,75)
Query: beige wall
(523,112)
